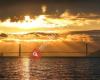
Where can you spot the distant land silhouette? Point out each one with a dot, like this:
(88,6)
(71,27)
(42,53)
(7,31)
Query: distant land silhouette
(95,54)
(88,32)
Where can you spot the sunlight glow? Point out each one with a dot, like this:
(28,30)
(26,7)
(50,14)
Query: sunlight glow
(41,21)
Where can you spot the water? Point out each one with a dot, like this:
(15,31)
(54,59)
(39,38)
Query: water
(50,69)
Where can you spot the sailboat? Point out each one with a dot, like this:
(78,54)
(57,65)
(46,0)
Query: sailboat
(36,54)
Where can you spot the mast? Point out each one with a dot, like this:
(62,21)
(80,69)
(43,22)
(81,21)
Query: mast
(19,49)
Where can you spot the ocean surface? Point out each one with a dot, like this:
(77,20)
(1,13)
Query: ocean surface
(50,69)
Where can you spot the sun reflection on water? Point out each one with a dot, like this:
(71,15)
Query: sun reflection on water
(25,68)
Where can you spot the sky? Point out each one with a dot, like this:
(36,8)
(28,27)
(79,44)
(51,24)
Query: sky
(87,9)
(22,7)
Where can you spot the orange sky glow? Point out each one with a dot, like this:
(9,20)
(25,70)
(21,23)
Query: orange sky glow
(48,22)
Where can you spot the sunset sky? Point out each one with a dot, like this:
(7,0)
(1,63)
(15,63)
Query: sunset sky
(86,13)
(20,7)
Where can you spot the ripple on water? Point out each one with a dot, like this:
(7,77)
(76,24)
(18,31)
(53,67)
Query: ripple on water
(50,69)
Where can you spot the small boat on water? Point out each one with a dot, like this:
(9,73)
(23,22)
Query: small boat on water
(36,54)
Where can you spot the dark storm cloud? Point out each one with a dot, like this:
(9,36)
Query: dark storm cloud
(22,7)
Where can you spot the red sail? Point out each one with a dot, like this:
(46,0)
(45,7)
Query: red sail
(36,53)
